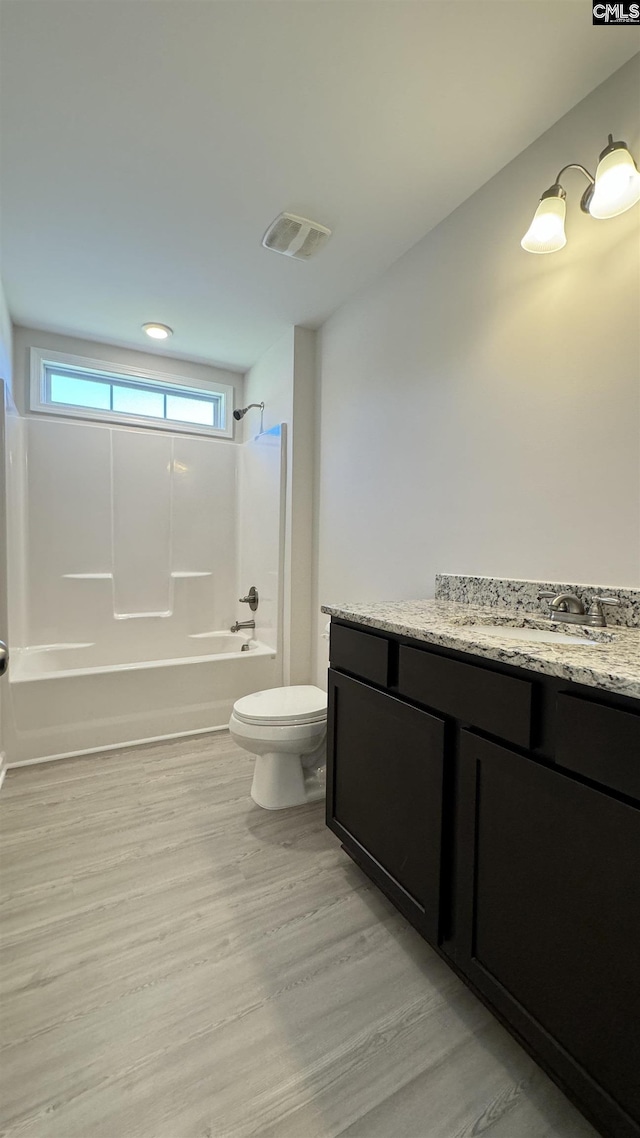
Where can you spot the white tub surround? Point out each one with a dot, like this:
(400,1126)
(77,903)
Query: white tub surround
(131,536)
(604,658)
(131,550)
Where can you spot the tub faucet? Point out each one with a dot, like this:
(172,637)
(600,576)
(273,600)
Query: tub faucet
(242,624)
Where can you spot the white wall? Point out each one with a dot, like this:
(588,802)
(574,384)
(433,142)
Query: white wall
(270,381)
(284,378)
(6,352)
(6,341)
(301,508)
(479,406)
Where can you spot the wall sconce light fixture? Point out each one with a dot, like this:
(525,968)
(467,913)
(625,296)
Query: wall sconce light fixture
(615,188)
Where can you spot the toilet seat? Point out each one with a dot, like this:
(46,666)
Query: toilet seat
(282,706)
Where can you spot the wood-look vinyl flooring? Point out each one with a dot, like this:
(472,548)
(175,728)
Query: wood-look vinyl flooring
(178,963)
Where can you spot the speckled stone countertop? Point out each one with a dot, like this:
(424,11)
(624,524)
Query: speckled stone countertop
(523,596)
(608,659)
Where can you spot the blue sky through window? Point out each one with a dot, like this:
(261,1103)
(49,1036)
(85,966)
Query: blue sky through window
(122,397)
(76,392)
(137,401)
(187,410)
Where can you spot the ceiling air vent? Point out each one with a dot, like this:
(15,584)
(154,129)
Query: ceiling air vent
(295,236)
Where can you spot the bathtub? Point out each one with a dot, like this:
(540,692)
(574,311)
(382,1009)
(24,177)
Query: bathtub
(76,698)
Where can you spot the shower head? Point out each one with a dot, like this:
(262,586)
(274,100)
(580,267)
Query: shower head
(238,415)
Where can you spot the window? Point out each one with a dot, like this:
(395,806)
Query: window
(88,389)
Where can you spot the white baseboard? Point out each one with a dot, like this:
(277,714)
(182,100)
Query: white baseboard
(111,747)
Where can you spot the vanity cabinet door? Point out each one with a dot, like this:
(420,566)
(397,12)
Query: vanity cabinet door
(548,919)
(384,793)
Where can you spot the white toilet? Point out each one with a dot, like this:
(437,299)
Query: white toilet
(286,729)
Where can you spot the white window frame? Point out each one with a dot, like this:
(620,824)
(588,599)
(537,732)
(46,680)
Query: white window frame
(41,358)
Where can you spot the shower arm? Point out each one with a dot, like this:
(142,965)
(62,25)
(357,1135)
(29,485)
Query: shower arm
(240,414)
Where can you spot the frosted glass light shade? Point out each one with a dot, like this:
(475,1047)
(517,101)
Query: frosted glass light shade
(546,233)
(617,185)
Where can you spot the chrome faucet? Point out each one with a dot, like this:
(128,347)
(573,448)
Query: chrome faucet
(570,609)
(595,616)
(242,624)
(565,606)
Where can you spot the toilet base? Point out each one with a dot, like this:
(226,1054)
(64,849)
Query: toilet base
(281,781)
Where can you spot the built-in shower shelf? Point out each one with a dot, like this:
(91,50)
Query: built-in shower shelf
(109,576)
(185,573)
(88,576)
(31,648)
(141,615)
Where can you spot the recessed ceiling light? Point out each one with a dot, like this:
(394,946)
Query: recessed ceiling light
(158,331)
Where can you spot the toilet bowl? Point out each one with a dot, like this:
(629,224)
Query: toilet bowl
(285,728)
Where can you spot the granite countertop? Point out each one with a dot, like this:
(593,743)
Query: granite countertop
(610,659)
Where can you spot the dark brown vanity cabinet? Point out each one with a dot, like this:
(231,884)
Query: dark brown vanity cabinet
(548,917)
(499,809)
(384,793)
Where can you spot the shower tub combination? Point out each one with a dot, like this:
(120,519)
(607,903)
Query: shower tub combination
(65,700)
(124,584)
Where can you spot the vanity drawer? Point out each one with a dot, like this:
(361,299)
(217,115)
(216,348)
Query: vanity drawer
(362,653)
(602,743)
(498,704)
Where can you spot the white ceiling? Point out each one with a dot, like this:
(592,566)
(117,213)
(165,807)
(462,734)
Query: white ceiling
(147,144)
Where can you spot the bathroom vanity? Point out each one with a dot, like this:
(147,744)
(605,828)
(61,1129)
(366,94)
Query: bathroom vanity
(491,788)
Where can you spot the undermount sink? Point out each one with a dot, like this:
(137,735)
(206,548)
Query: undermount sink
(539,635)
